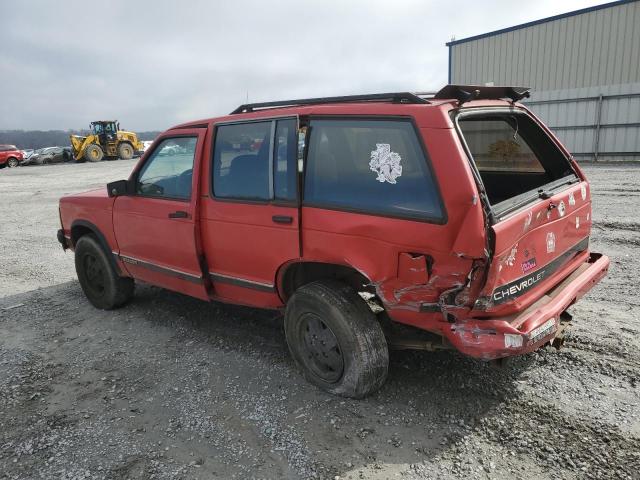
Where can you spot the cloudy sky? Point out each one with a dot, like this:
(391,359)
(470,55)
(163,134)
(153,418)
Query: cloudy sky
(153,63)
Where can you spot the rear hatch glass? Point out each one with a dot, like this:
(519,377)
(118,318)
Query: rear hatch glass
(542,209)
(516,159)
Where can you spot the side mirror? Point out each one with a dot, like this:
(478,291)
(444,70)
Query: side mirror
(119,188)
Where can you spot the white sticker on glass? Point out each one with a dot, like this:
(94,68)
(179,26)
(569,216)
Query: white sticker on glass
(385,163)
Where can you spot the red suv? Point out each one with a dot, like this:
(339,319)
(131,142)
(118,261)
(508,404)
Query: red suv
(10,156)
(370,220)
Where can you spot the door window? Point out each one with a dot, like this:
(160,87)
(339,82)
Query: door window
(284,164)
(241,161)
(168,171)
(255,161)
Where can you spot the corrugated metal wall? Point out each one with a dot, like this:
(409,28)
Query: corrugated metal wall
(601,47)
(584,70)
(595,123)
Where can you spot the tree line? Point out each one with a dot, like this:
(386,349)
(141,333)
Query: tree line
(24,139)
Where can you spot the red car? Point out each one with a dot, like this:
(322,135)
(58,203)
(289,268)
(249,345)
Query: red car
(10,156)
(369,220)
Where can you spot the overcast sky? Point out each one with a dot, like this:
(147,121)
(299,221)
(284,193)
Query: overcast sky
(152,64)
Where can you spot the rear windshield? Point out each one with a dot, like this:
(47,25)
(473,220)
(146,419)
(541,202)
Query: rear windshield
(513,155)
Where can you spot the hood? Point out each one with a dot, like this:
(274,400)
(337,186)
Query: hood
(95,193)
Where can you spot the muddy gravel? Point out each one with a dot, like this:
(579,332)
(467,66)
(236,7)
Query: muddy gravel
(170,387)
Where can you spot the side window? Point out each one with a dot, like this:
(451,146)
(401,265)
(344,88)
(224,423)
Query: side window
(241,161)
(284,160)
(373,166)
(243,155)
(168,172)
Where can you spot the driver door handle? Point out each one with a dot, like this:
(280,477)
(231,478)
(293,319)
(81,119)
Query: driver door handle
(179,214)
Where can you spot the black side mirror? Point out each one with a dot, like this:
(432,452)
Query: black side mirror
(119,188)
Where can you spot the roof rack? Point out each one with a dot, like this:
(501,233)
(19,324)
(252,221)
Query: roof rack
(466,93)
(401,97)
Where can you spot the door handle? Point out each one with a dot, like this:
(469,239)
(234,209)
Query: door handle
(179,214)
(282,219)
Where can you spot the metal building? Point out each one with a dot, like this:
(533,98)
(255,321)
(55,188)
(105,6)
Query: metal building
(584,70)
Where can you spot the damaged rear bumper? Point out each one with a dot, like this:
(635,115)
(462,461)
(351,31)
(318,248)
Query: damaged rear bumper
(526,331)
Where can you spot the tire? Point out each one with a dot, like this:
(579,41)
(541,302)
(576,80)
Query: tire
(99,281)
(336,340)
(125,151)
(12,162)
(93,153)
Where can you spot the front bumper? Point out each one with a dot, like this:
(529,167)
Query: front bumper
(526,331)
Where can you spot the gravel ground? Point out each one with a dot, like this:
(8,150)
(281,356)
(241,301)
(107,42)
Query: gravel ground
(170,387)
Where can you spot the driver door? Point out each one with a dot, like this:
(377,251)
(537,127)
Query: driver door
(155,227)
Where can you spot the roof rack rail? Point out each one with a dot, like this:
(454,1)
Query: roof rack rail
(400,97)
(466,93)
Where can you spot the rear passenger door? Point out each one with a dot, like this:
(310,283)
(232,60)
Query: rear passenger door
(250,220)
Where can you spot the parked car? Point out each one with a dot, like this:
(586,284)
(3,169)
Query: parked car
(10,156)
(49,155)
(27,153)
(458,221)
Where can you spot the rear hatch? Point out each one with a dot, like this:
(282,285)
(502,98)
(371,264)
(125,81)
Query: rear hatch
(539,207)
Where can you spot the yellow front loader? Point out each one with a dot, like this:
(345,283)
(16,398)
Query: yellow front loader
(105,140)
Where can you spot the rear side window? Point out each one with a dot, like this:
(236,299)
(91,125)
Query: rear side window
(373,166)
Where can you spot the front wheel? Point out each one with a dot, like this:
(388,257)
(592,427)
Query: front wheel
(12,162)
(336,340)
(104,288)
(93,153)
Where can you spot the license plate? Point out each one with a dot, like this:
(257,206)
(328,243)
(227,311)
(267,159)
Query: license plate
(542,331)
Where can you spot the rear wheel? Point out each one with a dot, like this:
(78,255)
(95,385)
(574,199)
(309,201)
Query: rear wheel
(125,151)
(12,162)
(336,340)
(104,288)
(93,153)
